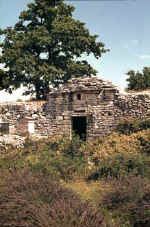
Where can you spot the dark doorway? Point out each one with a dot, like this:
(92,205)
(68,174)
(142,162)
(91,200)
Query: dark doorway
(79,125)
(4,128)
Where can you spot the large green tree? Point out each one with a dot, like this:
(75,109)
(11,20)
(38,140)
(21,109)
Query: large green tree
(45,48)
(138,80)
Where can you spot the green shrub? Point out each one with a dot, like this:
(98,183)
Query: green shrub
(144,142)
(62,158)
(59,165)
(65,145)
(129,126)
(120,164)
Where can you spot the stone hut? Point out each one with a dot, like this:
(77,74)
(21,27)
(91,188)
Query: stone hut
(82,106)
(92,107)
(89,107)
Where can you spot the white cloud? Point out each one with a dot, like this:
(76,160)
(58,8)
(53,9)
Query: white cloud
(144,56)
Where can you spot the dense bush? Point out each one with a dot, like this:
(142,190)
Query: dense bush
(65,145)
(62,158)
(59,166)
(119,154)
(28,199)
(129,198)
(121,164)
(112,144)
(129,126)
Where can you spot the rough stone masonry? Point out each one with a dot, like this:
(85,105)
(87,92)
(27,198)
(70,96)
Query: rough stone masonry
(89,107)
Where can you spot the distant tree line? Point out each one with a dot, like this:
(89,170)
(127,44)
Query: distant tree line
(138,80)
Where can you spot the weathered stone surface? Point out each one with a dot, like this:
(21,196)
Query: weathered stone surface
(95,99)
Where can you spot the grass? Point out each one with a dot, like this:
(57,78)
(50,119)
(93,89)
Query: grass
(90,191)
(87,191)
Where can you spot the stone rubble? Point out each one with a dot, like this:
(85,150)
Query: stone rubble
(14,140)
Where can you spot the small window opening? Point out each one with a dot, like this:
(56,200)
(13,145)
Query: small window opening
(71,97)
(79,96)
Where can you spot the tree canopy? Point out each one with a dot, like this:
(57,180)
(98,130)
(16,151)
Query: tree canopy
(45,48)
(139,80)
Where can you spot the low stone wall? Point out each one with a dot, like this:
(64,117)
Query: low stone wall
(18,115)
(54,117)
(107,115)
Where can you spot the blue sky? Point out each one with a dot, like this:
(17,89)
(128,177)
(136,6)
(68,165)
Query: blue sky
(122,25)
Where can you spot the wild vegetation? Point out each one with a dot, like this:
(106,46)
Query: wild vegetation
(63,182)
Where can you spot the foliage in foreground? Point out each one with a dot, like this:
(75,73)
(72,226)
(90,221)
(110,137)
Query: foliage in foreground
(66,159)
(34,200)
(129,199)
(119,154)
(115,172)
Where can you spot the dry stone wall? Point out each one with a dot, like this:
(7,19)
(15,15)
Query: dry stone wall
(99,101)
(19,115)
(91,99)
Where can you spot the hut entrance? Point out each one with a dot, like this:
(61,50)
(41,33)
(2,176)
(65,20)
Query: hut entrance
(79,126)
(4,128)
